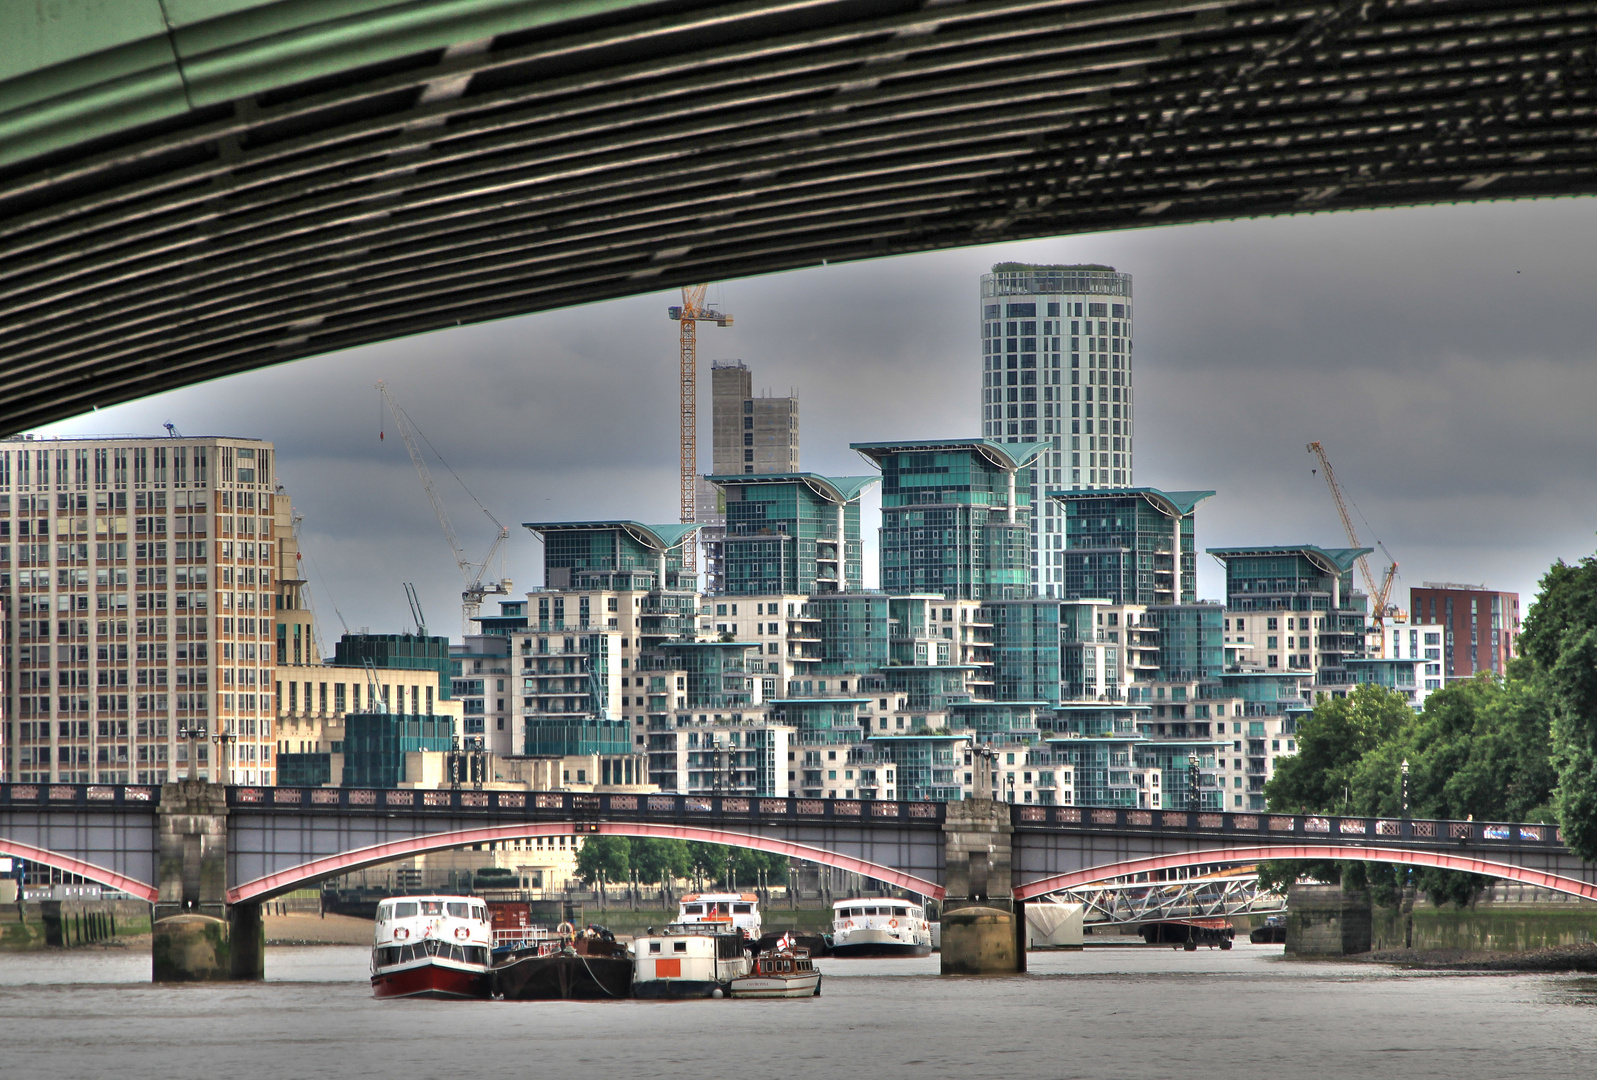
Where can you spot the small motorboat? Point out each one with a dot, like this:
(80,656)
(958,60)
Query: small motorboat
(783,972)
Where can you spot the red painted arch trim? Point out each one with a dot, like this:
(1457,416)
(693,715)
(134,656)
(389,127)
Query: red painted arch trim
(296,876)
(143,891)
(1439,859)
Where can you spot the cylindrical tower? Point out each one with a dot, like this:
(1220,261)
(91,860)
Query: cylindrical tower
(1056,368)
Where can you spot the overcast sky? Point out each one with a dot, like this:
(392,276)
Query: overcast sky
(1442,355)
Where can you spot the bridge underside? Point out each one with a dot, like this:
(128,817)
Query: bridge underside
(266,861)
(225,194)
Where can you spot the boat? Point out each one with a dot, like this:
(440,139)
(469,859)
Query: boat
(727,909)
(783,972)
(1273,932)
(880,927)
(432,946)
(576,965)
(687,960)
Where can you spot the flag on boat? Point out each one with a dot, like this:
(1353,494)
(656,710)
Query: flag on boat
(785,942)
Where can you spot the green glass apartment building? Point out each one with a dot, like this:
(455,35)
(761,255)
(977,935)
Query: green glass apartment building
(956,517)
(1130,545)
(791,533)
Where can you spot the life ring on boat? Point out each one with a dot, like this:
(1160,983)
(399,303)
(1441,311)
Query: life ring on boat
(461,933)
(565,928)
(893,923)
(848,924)
(401,934)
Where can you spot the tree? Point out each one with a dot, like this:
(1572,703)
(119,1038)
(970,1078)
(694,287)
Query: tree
(1559,641)
(1332,742)
(658,860)
(604,858)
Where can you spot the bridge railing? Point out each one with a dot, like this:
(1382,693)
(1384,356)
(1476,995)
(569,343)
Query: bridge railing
(1307,827)
(580,806)
(60,796)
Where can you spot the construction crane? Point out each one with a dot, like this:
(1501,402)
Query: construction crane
(471,572)
(1379,594)
(415,609)
(693,311)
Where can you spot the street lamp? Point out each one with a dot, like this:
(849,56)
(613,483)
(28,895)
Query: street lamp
(194,732)
(222,739)
(1405,788)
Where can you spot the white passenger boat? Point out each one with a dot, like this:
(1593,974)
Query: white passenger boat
(878,927)
(782,972)
(728,910)
(687,960)
(432,946)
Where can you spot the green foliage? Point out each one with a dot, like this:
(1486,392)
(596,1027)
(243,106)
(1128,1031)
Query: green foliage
(1332,743)
(659,860)
(604,858)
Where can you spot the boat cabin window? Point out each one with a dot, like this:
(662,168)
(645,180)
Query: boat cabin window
(679,946)
(654,946)
(743,909)
(458,910)
(405,909)
(432,907)
(694,909)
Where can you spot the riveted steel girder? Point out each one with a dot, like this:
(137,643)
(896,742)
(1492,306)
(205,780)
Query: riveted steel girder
(349,171)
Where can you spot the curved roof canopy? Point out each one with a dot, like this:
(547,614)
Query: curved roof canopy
(1169,503)
(190,188)
(657,538)
(1333,561)
(1001,455)
(834,489)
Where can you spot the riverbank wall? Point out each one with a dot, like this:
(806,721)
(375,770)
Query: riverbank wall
(1323,920)
(68,924)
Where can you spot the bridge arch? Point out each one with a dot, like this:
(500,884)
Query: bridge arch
(132,886)
(294,877)
(1442,860)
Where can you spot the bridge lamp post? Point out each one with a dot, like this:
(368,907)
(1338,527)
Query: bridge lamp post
(194,733)
(1404,790)
(1194,799)
(222,739)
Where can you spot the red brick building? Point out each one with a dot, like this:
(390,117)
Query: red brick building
(1479,626)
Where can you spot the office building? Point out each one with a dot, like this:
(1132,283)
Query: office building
(140,578)
(1479,626)
(1057,367)
(1130,546)
(956,516)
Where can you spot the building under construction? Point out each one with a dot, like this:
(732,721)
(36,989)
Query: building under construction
(751,435)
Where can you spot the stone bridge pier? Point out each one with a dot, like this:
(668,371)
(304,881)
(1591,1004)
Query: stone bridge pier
(984,925)
(198,936)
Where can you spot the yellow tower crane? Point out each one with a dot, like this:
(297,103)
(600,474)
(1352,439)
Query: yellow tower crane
(1379,594)
(694,310)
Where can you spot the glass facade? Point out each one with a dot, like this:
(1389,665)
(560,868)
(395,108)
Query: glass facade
(375,745)
(791,534)
(1057,366)
(1191,643)
(1131,547)
(404,651)
(956,518)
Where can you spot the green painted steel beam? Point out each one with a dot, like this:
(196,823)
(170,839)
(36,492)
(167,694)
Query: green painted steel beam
(76,70)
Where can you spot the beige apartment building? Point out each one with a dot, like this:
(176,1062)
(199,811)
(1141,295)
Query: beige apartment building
(138,577)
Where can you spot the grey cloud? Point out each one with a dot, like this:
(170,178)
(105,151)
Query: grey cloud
(1442,355)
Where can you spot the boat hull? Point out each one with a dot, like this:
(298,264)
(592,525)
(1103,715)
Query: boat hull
(771,986)
(676,989)
(564,978)
(882,948)
(430,979)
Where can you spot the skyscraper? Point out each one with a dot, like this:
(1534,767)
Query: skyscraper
(1056,366)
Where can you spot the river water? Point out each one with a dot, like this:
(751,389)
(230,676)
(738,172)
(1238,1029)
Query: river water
(1099,1014)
